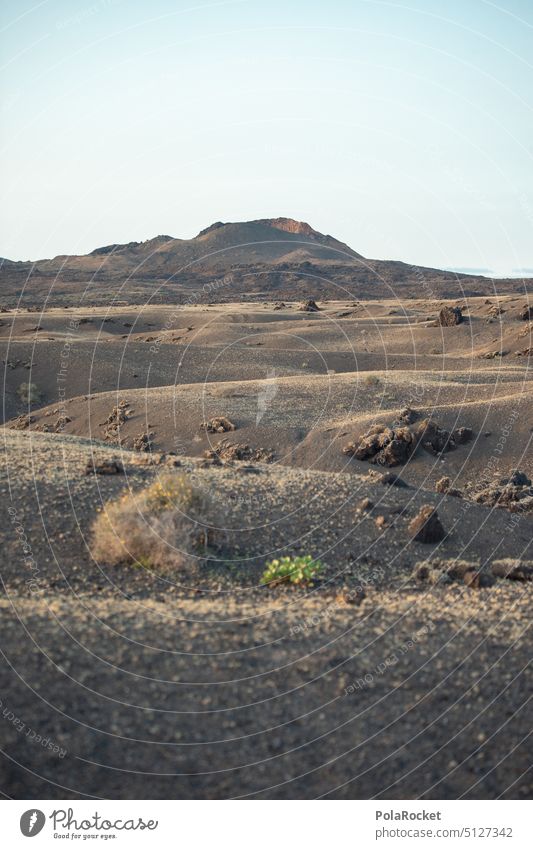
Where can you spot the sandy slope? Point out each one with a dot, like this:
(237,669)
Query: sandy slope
(301,384)
(203,683)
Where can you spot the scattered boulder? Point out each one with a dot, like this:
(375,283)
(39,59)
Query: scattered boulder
(441,571)
(62,421)
(444,486)
(491,355)
(383,445)
(450,316)
(220,424)
(462,435)
(476,579)
(392,446)
(514,493)
(426,527)
(432,437)
(115,420)
(104,467)
(438,440)
(390,479)
(364,505)
(279,306)
(430,574)
(143,442)
(309,306)
(526,313)
(231,451)
(408,416)
(348,595)
(57,427)
(22,422)
(513,570)
(517,478)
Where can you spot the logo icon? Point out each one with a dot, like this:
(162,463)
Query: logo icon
(32,822)
(267,394)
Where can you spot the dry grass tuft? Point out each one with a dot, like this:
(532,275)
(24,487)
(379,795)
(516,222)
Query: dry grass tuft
(169,524)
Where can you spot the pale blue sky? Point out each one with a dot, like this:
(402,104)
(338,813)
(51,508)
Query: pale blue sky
(404,129)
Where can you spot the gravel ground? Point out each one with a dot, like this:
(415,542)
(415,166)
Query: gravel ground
(118,683)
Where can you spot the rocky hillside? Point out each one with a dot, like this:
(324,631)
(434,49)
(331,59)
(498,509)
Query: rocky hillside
(277,257)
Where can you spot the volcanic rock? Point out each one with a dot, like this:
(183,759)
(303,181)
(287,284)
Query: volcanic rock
(450,316)
(426,527)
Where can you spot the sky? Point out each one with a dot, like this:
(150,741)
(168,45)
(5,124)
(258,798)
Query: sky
(402,128)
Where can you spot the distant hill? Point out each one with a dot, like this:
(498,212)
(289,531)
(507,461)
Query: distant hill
(276,257)
(218,246)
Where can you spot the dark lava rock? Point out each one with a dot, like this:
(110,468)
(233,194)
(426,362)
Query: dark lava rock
(408,416)
(143,442)
(383,445)
(443,571)
(426,527)
(351,595)
(517,478)
(443,485)
(220,424)
(430,574)
(22,422)
(514,570)
(476,579)
(309,306)
(433,438)
(104,467)
(450,316)
(231,451)
(526,313)
(515,493)
(390,479)
(462,435)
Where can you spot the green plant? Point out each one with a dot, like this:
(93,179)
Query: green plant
(29,393)
(291,570)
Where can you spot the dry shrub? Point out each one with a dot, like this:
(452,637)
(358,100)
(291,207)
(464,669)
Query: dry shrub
(169,524)
(29,393)
(371,380)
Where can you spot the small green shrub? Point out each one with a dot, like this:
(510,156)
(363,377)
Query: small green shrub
(29,393)
(291,570)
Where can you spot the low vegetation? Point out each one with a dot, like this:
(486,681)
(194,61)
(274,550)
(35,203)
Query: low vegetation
(292,570)
(29,393)
(169,524)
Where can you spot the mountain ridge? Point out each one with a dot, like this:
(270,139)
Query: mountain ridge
(278,257)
